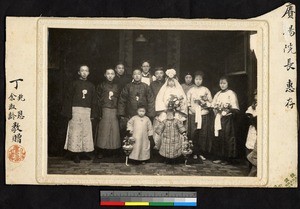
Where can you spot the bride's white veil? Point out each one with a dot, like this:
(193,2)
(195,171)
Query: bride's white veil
(159,102)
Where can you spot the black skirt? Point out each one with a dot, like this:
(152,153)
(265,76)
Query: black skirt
(225,145)
(202,138)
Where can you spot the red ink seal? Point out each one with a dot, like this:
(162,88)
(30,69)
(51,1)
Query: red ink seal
(16,153)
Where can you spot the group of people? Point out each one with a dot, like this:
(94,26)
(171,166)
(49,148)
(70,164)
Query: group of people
(152,108)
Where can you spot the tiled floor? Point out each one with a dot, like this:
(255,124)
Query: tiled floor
(61,165)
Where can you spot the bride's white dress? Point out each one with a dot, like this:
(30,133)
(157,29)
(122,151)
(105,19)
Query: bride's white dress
(161,105)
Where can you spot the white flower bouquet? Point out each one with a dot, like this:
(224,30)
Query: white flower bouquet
(222,108)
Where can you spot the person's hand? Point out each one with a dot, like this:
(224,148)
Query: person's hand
(131,132)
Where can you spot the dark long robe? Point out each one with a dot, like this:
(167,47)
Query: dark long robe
(103,100)
(134,94)
(122,80)
(108,132)
(156,86)
(75,97)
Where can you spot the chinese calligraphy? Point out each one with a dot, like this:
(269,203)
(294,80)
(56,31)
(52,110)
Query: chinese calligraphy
(290,104)
(289,12)
(13,97)
(289,86)
(15,114)
(289,65)
(288,50)
(17,80)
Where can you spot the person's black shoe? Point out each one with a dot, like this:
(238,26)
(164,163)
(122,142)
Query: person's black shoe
(85,157)
(76,159)
(99,156)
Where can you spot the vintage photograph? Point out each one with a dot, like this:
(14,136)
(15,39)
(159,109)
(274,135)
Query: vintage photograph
(152,102)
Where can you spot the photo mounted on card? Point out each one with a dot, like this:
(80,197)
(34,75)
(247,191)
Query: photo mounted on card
(152,102)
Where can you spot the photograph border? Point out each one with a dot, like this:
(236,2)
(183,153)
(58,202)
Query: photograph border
(152,24)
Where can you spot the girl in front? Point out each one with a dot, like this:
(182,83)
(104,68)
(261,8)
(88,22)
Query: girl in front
(79,107)
(225,104)
(172,132)
(199,101)
(140,127)
(108,134)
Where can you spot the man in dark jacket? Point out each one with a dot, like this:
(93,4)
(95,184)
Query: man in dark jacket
(159,82)
(122,78)
(133,94)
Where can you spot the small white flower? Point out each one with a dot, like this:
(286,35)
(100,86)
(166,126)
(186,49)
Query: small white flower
(84,92)
(110,94)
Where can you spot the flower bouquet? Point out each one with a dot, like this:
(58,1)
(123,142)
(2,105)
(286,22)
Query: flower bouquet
(222,109)
(175,102)
(202,101)
(187,146)
(128,147)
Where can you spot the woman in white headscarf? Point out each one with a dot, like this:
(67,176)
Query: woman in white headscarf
(169,90)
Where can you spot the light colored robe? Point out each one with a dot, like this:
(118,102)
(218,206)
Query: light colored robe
(142,129)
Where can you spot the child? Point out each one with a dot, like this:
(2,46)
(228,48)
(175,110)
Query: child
(188,78)
(147,77)
(79,106)
(133,94)
(199,100)
(172,132)
(141,129)
(225,105)
(108,134)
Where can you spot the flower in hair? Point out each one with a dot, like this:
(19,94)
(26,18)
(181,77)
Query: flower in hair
(171,73)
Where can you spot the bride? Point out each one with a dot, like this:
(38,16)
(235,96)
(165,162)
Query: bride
(170,96)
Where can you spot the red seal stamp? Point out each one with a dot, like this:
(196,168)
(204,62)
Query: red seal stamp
(16,153)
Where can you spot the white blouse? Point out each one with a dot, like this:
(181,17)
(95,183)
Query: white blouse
(226,97)
(195,93)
